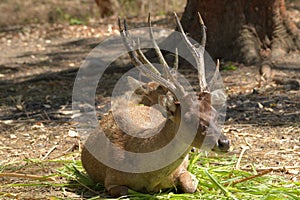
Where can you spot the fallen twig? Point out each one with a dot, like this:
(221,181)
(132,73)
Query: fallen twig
(28,176)
(47,116)
(249,178)
(49,152)
(272,168)
(244,149)
(74,146)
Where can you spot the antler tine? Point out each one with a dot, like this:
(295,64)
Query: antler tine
(203,39)
(139,52)
(144,59)
(215,76)
(119,24)
(128,43)
(160,56)
(128,46)
(126,28)
(176,61)
(198,53)
(162,61)
(202,50)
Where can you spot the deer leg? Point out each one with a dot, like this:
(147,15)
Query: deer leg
(188,182)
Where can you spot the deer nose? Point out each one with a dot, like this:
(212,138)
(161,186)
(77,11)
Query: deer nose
(222,145)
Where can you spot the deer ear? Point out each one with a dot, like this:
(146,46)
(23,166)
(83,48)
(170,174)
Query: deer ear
(135,85)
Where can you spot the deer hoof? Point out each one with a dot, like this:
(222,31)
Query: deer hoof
(188,182)
(117,191)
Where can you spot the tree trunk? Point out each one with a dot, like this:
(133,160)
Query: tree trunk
(107,7)
(242,30)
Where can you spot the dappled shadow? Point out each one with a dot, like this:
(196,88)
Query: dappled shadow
(251,100)
(48,96)
(42,89)
(264,109)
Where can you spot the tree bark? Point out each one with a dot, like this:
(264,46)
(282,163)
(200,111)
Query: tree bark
(107,7)
(247,31)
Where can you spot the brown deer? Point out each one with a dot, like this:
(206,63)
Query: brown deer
(183,110)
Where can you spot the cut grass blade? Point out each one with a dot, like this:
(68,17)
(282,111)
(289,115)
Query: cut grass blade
(218,184)
(215,175)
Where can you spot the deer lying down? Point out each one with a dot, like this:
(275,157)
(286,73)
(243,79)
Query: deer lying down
(169,93)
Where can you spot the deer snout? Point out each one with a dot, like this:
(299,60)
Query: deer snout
(222,144)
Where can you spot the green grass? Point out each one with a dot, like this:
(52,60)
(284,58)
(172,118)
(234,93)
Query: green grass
(229,66)
(218,179)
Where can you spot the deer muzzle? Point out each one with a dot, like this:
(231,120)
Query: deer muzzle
(222,144)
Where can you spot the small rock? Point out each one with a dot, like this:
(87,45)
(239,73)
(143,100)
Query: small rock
(72,133)
(12,136)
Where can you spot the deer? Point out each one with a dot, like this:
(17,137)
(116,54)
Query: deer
(182,111)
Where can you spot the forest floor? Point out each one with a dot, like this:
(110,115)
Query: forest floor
(38,66)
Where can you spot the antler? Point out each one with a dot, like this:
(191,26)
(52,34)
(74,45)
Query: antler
(198,53)
(160,56)
(138,58)
(168,79)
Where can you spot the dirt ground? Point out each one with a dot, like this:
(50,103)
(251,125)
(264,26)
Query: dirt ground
(38,65)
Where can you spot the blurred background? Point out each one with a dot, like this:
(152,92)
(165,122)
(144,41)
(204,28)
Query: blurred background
(17,12)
